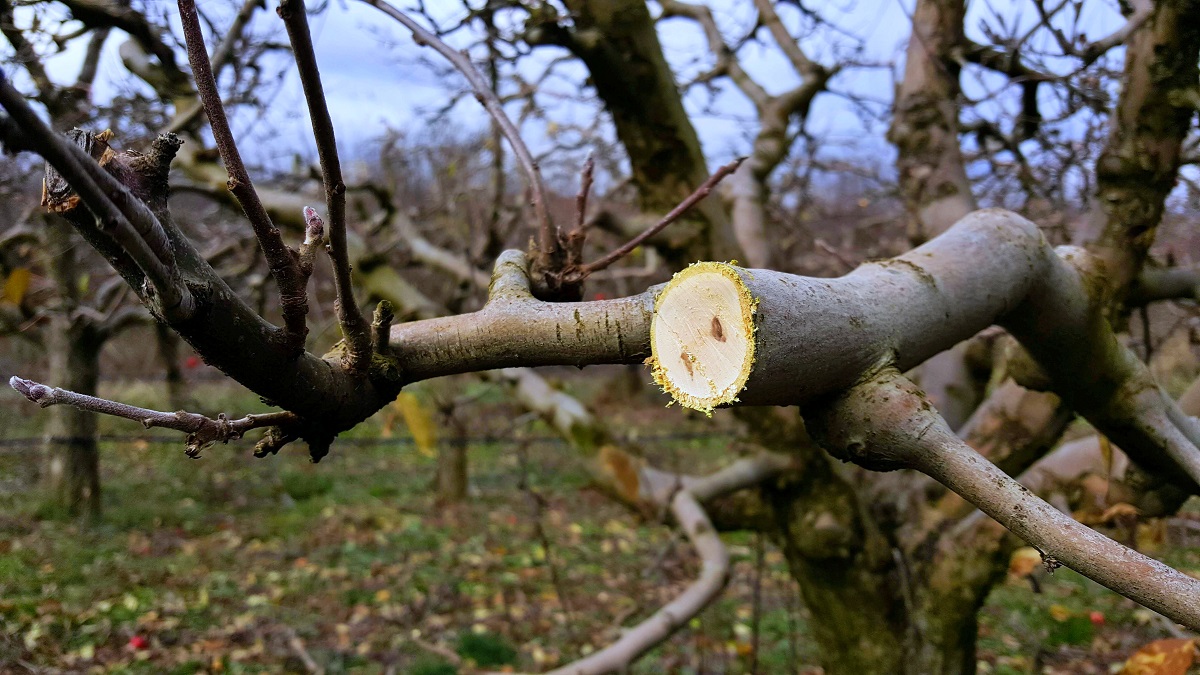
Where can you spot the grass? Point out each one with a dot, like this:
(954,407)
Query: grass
(231,564)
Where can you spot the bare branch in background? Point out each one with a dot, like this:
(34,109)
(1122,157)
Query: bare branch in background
(700,193)
(549,247)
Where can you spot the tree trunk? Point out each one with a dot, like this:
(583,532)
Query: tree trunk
(451,481)
(452,472)
(168,352)
(73,458)
(618,42)
(74,341)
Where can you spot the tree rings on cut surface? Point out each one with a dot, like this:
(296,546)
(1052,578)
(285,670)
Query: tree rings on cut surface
(702,335)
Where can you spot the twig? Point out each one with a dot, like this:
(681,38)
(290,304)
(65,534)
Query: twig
(837,255)
(202,431)
(353,324)
(585,188)
(573,241)
(547,234)
(280,260)
(692,199)
(124,217)
(297,645)
(381,327)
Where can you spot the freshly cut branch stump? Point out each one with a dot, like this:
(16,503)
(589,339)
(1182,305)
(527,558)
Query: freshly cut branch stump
(722,335)
(703,335)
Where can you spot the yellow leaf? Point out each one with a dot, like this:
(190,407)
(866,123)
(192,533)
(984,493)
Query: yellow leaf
(16,284)
(1024,561)
(1162,657)
(1059,613)
(419,423)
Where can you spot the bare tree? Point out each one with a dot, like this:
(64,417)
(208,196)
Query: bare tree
(865,551)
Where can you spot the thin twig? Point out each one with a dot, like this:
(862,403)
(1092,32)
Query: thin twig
(547,235)
(202,431)
(353,324)
(585,188)
(694,198)
(280,260)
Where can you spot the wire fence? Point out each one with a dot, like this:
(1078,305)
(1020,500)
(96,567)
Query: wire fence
(28,443)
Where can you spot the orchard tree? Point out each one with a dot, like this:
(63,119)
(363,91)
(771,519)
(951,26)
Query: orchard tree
(892,561)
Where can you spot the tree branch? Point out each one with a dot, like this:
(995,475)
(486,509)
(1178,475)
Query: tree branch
(548,242)
(280,260)
(350,318)
(701,192)
(886,422)
(118,213)
(202,431)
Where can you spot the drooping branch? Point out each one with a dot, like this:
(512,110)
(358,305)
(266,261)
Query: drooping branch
(202,431)
(350,318)
(885,422)
(280,260)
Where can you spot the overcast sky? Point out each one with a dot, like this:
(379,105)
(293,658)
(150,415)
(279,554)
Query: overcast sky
(374,80)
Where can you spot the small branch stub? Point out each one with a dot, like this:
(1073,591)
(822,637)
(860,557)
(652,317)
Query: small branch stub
(702,335)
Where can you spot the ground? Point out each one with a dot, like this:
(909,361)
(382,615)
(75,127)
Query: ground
(231,564)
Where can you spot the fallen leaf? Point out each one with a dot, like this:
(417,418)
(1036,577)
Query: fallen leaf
(1162,657)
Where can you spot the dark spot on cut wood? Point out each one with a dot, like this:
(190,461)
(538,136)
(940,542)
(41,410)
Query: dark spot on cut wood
(687,361)
(718,331)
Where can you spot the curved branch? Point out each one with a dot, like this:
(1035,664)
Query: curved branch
(548,241)
(677,613)
(886,422)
